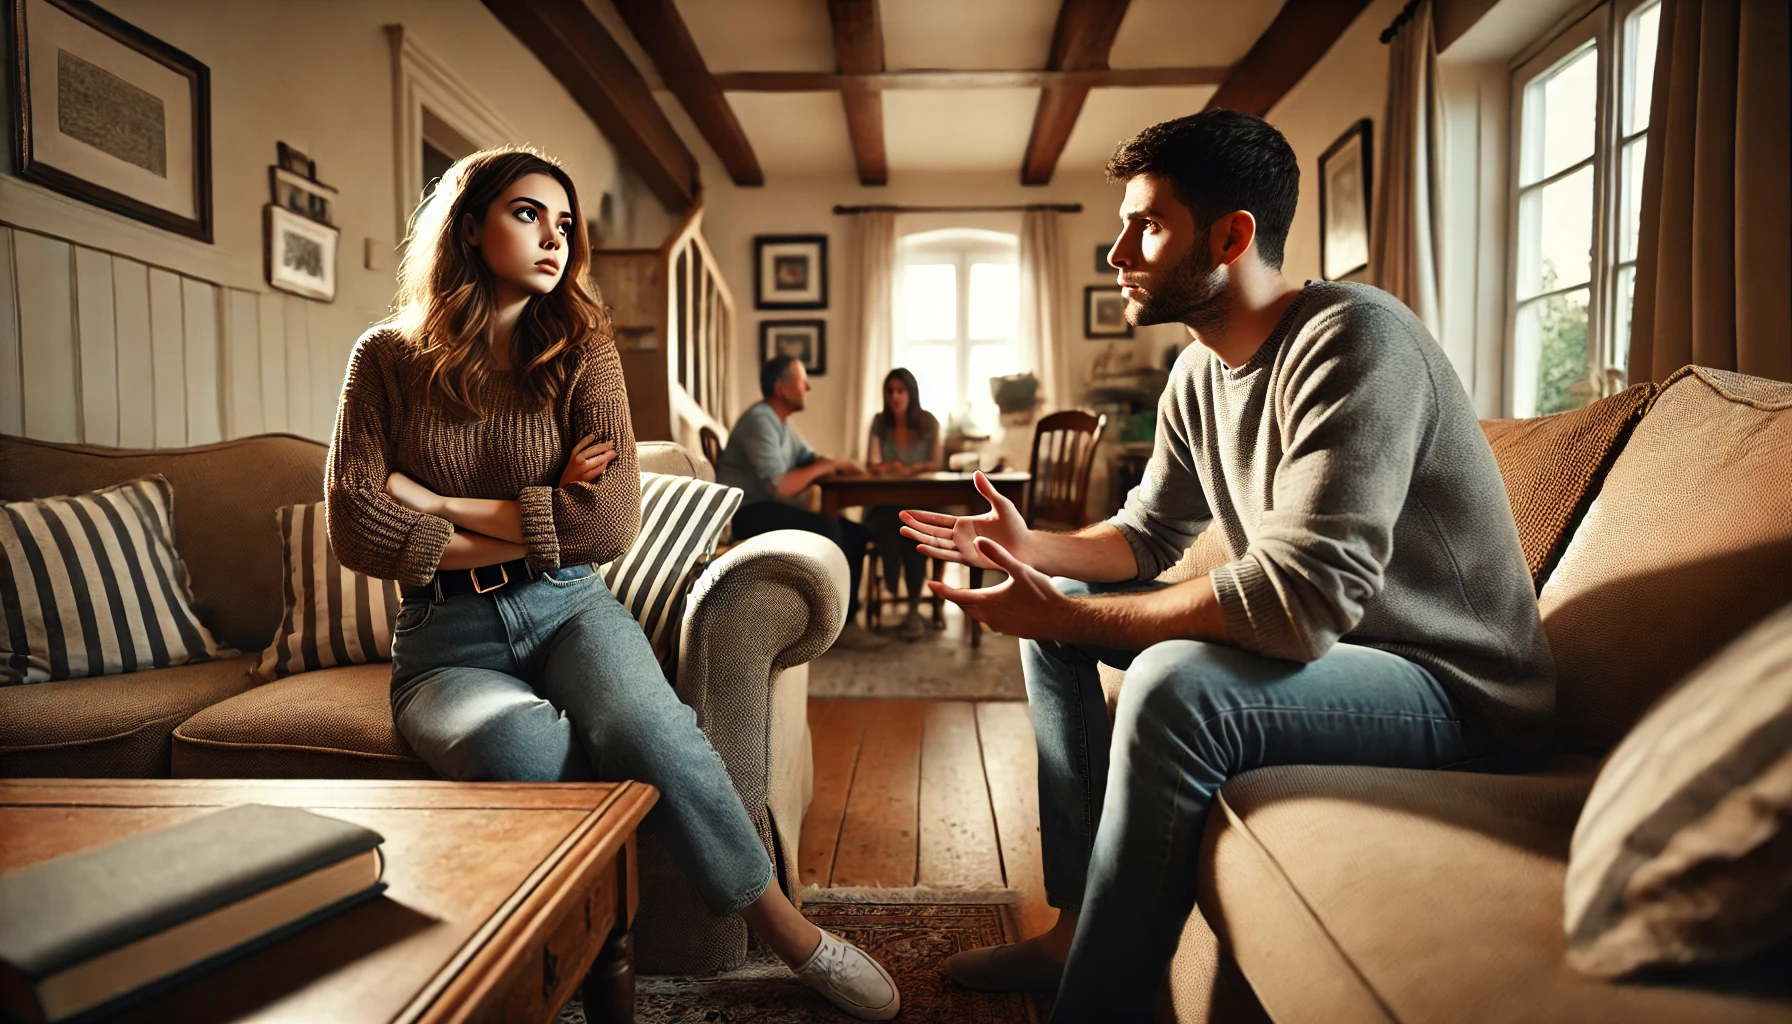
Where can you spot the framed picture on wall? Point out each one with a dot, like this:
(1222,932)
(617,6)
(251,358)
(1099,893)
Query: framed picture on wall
(807,340)
(110,115)
(1104,312)
(790,271)
(1344,190)
(1102,266)
(301,254)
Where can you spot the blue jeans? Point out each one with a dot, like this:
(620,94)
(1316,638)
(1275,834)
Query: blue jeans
(552,680)
(1122,810)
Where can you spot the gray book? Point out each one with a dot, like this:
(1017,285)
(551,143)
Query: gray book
(84,929)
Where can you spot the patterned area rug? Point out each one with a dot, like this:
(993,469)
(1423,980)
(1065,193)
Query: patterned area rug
(910,940)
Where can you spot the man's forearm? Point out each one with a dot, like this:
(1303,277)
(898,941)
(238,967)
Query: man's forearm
(1186,611)
(802,476)
(1093,554)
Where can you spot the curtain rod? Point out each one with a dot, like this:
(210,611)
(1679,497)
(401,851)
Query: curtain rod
(1393,29)
(1057,207)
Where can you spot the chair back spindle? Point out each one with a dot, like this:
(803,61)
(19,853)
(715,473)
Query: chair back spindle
(1063,456)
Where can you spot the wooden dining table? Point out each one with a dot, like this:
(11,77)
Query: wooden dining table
(925,490)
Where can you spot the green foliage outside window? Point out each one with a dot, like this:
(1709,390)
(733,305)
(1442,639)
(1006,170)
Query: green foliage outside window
(1562,381)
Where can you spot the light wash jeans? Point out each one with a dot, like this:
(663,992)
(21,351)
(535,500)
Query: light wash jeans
(1122,810)
(552,680)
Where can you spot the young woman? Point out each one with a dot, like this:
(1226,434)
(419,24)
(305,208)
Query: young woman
(483,458)
(905,439)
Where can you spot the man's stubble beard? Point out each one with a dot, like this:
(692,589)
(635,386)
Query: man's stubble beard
(1194,292)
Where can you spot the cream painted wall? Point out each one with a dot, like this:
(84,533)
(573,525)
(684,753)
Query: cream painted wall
(317,75)
(734,215)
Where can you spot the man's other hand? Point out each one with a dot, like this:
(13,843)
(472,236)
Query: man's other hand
(1024,605)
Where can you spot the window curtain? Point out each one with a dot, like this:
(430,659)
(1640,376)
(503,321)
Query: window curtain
(1714,260)
(1403,240)
(1042,294)
(874,279)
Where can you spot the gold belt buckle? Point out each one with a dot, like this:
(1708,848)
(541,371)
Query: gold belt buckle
(477,589)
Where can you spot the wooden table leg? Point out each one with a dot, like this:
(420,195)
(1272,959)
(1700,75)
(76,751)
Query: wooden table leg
(609,990)
(971,624)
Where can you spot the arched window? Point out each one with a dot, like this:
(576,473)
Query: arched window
(957,316)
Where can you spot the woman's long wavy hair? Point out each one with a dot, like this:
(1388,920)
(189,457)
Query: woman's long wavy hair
(446,300)
(902,374)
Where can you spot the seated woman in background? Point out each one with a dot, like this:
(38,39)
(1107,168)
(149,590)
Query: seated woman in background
(905,440)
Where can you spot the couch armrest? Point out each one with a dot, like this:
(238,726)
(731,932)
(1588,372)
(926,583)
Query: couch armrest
(771,603)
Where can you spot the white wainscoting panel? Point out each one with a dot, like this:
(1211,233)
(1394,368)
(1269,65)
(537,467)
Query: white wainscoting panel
(270,314)
(242,364)
(167,325)
(12,372)
(298,367)
(97,324)
(199,307)
(47,337)
(136,354)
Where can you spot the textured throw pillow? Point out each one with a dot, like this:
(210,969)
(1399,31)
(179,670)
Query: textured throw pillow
(332,615)
(90,585)
(681,518)
(1683,853)
(1553,465)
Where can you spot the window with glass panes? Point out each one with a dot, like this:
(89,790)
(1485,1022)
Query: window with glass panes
(1581,118)
(958,294)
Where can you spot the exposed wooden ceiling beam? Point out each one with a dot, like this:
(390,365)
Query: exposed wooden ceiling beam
(570,41)
(1081,42)
(823,81)
(859,49)
(1300,34)
(660,30)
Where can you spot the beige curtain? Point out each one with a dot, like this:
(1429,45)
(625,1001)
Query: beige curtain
(1403,241)
(873,281)
(1714,258)
(1043,351)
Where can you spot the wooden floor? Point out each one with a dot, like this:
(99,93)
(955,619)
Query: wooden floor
(928,793)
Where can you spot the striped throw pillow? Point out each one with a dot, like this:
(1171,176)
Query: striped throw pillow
(91,585)
(681,517)
(333,616)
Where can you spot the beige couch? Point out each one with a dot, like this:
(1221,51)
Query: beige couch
(1344,895)
(761,612)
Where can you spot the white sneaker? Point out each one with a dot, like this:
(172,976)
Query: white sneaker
(854,637)
(850,979)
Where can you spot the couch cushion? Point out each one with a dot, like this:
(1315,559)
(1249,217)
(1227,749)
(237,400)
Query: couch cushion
(1683,853)
(1362,894)
(1688,545)
(332,615)
(224,500)
(111,726)
(335,723)
(1552,466)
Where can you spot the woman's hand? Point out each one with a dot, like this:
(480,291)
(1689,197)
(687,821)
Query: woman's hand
(954,538)
(589,459)
(413,495)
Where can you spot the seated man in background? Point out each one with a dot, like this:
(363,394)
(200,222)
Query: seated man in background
(769,461)
(1376,609)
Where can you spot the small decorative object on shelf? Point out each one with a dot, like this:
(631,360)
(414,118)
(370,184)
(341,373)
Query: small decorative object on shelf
(303,196)
(807,340)
(109,114)
(1344,190)
(1104,312)
(790,271)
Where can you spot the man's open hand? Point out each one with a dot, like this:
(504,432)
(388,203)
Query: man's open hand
(954,538)
(1024,605)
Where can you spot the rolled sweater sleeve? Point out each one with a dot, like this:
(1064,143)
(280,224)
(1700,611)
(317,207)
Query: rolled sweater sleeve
(572,524)
(1168,509)
(1352,434)
(369,531)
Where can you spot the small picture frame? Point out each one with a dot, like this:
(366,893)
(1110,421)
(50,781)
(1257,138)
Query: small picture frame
(1102,266)
(807,340)
(1104,312)
(109,114)
(790,271)
(290,159)
(301,256)
(303,196)
(1345,172)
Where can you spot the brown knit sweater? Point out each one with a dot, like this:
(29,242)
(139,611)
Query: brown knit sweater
(387,422)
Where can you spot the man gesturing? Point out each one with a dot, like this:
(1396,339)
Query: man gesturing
(1375,609)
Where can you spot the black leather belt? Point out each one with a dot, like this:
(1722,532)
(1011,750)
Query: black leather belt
(449,583)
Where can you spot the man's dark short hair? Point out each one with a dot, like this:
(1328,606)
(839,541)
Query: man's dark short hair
(1219,161)
(772,372)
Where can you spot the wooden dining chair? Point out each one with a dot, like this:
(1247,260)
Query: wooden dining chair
(712,446)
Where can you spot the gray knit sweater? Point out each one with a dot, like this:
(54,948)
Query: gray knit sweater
(1358,500)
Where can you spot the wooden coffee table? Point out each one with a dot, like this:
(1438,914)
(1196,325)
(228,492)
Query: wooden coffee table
(502,899)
